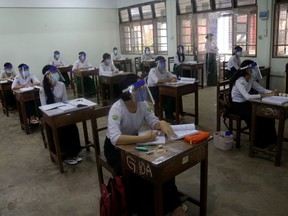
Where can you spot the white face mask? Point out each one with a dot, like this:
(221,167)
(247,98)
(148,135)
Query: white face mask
(238,53)
(147,52)
(82,58)
(57,57)
(108,61)
(115,51)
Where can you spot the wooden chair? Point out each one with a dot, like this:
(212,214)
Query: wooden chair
(223,106)
(101,161)
(137,62)
(170,61)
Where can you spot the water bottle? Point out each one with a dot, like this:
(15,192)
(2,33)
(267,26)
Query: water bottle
(227,134)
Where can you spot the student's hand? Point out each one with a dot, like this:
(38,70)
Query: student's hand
(173,79)
(276,92)
(150,136)
(166,128)
(267,94)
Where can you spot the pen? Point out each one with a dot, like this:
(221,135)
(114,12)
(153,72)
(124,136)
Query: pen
(141,148)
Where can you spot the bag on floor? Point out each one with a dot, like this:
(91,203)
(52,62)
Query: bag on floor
(113,199)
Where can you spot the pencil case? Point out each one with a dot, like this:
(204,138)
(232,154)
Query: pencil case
(196,138)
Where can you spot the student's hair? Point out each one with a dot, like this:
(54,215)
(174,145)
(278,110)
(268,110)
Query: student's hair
(146,48)
(8,65)
(237,49)
(21,66)
(125,83)
(182,54)
(48,89)
(106,56)
(115,48)
(46,68)
(81,53)
(56,52)
(240,72)
(160,58)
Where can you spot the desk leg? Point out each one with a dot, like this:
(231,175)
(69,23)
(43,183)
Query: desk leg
(49,136)
(82,85)
(252,132)
(58,150)
(196,107)
(202,78)
(279,142)
(24,117)
(86,135)
(158,198)
(177,109)
(160,107)
(203,184)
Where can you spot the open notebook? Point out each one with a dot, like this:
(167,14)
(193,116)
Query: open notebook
(180,130)
(276,100)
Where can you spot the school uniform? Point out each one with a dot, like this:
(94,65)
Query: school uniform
(121,121)
(265,132)
(61,63)
(9,96)
(211,64)
(103,67)
(68,135)
(6,75)
(117,56)
(232,66)
(19,80)
(178,60)
(145,57)
(89,85)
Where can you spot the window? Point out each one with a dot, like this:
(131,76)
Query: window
(235,26)
(280,43)
(146,27)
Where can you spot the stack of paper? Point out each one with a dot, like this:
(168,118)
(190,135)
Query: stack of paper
(110,73)
(276,100)
(26,89)
(187,80)
(183,130)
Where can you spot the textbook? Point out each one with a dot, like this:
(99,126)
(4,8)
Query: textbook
(187,80)
(180,130)
(276,100)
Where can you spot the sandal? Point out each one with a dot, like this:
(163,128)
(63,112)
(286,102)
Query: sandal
(71,161)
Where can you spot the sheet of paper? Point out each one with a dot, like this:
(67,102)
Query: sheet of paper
(52,106)
(160,140)
(30,88)
(276,100)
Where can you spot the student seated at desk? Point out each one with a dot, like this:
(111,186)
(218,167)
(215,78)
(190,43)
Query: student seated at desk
(26,79)
(179,58)
(116,55)
(240,84)
(146,56)
(234,62)
(58,62)
(160,75)
(80,64)
(8,72)
(107,65)
(54,91)
(124,121)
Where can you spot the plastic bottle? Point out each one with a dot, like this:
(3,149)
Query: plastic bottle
(227,134)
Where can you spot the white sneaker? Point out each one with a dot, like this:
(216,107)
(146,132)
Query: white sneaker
(71,161)
(184,207)
(78,159)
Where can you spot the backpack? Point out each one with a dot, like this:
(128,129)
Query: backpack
(113,199)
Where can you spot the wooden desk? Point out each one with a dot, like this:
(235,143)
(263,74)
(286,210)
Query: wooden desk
(192,67)
(67,118)
(5,89)
(21,99)
(108,83)
(68,69)
(177,91)
(266,73)
(94,72)
(126,63)
(162,166)
(273,111)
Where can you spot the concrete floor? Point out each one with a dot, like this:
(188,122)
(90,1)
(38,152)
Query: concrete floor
(30,184)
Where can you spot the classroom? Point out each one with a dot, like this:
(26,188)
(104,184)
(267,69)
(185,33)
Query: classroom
(240,181)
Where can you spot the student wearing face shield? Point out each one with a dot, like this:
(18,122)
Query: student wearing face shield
(8,72)
(58,62)
(241,83)
(234,62)
(81,64)
(26,79)
(158,75)
(116,55)
(124,121)
(146,56)
(54,91)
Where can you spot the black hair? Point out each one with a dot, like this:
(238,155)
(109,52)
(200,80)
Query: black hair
(106,56)
(115,48)
(7,64)
(22,65)
(82,53)
(46,68)
(48,89)
(125,83)
(236,48)
(56,52)
(180,55)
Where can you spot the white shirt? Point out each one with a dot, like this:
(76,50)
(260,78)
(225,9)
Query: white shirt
(57,63)
(118,56)
(155,75)
(240,91)
(178,61)
(123,122)
(103,67)
(145,57)
(21,81)
(78,64)
(5,75)
(59,92)
(211,47)
(235,62)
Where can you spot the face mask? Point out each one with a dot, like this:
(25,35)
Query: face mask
(108,61)
(238,53)
(115,52)
(57,56)
(147,52)
(8,72)
(82,58)
(55,76)
(26,73)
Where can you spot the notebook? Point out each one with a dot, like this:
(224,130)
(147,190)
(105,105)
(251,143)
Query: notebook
(276,100)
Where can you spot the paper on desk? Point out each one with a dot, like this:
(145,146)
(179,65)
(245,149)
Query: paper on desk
(110,73)
(82,101)
(183,130)
(187,80)
(4,81)
(30,88)
(276,100)
(191,62)
(160,140)
(53,106)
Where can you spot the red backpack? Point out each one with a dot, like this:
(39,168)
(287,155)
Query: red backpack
(113,200)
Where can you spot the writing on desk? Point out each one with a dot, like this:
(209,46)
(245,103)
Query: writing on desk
(139,167)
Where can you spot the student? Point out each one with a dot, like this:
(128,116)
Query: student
(116,55)
(25,79)
(107,65)
(211,64)
(240,84)
(89,85)
(58,62)
(124,121)
(54,91)
(8,72)
(158,75)
(179,58)
(234,62)
(146,56)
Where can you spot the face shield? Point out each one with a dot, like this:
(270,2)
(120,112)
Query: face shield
(161,65)
(139,92)
(8,69)
(254,70)
(54,75)
(24,71)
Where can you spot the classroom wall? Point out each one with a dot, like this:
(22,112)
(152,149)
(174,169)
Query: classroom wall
(31,35)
